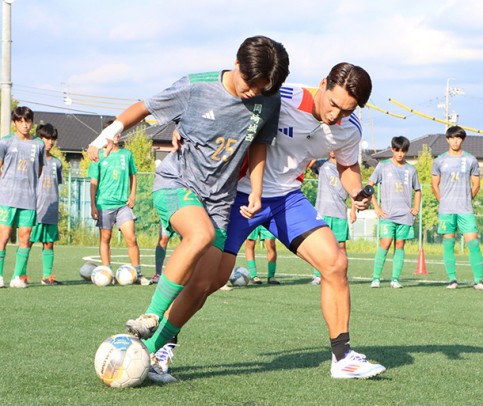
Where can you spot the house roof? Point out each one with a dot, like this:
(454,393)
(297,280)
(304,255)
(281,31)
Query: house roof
(438,144)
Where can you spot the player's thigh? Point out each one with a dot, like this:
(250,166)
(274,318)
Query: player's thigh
(467,224)
(206,270)
(447,224)
(128,230)
(385,243)
(193,223)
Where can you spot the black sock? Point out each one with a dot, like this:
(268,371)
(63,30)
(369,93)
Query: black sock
(340,346)
(174,340)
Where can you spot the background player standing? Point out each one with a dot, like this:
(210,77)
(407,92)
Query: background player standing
(397,179)
(270,243)
(455,182)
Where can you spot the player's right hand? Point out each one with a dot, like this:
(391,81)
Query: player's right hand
(93,153)
(176,141)
(381,213)
(94,213)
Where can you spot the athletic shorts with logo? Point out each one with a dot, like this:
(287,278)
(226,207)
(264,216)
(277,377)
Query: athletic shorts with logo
(340,227)
(21,217)
(448,223)
(388,229)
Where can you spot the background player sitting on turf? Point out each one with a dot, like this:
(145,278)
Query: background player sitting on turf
(113,195)
(270,243)
(331,203)
(397,179)
(456,181)
(47,229)
(22,157)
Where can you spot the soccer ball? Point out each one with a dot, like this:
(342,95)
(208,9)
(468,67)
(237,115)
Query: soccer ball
(240,276)
(122,361)
(102,276)
(126,275)
(86,270)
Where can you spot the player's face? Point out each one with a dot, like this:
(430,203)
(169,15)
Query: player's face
(455,143)
(23,126)
(49,143)
(398,154)
(242,89)
(332,105)
(116,139)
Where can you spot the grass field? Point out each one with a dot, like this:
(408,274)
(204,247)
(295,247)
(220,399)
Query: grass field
(260,345)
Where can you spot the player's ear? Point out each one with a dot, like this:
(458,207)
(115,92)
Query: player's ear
(323,84)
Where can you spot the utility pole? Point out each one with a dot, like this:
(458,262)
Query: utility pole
(450,117)
(6,66)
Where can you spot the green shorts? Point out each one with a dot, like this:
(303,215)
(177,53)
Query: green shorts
(45,233)
(169,201)
(261,232)
(448,223)
(340,227)
(22,217)
(388,229)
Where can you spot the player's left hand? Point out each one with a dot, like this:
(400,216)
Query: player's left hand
(93,153)
(352,216)
(414,211)
(254,206)
(131,202)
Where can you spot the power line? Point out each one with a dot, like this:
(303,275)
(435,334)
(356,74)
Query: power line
(56,107)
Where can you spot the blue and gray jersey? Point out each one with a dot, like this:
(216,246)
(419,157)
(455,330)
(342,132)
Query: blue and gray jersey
(22,160)
(48,192)
(397,184)
(331,196)
(217,128)
(455,182)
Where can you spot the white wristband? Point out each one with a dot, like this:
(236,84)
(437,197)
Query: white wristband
(108,134)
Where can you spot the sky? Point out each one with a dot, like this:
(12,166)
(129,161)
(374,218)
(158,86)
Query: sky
(134,49)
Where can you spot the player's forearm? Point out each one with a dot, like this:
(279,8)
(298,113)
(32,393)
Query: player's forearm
(417,199)
(350,178)
(475,180)
(133,184)
(435,186)
(40,171)
(256,163)
(93,192)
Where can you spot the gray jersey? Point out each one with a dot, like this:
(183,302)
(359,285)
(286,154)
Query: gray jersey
(217,128)
(397,184)
(48,192)
(20,171)
(455,182)
(331,196)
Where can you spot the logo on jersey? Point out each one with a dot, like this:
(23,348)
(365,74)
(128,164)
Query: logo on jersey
(15,150)
(287,131)
(254,122)
(406,177)
(104,163)
(463,165)
(389,174)
(210,115)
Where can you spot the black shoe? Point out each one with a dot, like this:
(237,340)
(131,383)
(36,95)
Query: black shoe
(256,280)
(273,281)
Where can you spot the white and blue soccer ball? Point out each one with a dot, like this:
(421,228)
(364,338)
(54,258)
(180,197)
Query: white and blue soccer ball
(86,270)
(122,361)
(102,276)
(240,276)
(126,275)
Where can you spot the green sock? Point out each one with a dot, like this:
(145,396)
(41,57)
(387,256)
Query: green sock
(165,332)
(48,261)
(252,268)
(160,255)
(397,263)
(272,266)
(164,295)
(449,258)
(316,273)
(138,269)
(2,261)
(379,262)
(21,262)
(475,259)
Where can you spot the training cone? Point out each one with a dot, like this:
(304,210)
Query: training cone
(421,269)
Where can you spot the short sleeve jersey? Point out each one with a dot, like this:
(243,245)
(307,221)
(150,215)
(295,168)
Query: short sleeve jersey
(217,128)
(455,182)
(113,175)
(397,184)
(22,160)
(302,138)
(48,191)
(331,196)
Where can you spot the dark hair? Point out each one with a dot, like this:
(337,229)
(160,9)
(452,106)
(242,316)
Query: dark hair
(263,58)
(47,131)
(401,143)
(22,112)
(355,80)
(456,131)
(107,123)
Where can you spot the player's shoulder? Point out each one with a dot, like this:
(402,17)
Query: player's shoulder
(204,77)
(410,165)
(8,137)
(468,155)
(38,140)
(297,96)
(384,161)
(441,156)
(352,122)
(56,160)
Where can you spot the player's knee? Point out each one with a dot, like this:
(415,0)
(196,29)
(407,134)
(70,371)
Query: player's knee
(131,240)
(200,241)
(335,268)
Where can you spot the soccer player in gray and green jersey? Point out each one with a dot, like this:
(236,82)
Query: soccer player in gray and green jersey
(396,214)
(456,181)
(22,157)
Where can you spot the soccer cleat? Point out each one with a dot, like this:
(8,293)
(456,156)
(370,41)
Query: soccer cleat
(478,286)
(256,280)
(396,285)
(25,279)
(50,280)
(272,281)
(142,280)
(18,283)
(315,281)
(155,279)
(2,284)
(144,326)
(226,288)
(354,365)
(376,283)
(157,373)
(452,285)
(164,355)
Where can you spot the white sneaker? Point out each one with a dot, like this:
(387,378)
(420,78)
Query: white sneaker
(2,285)
(142,280)
(156,372)
(452,285)
(396,285)
(354,365)
(315,281)
(478,286)
(226,288)
(18,283)
(164,356)
(144,326)
(376,283)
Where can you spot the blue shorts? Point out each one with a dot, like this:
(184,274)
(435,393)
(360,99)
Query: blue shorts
(286,217)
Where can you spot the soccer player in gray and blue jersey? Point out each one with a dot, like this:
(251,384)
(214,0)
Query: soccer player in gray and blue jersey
(456,181)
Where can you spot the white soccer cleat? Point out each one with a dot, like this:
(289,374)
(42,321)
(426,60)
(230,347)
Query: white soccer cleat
(164,356)
(157,373)
(376,283)
(226,288)
(2,284)
(142,280)
(452,285)
(18,283)
(144,326)
(315,281)
(396,285)
(478,286)
(354,365)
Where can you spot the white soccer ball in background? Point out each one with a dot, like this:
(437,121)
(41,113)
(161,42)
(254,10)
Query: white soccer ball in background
(86,270)
(240,276)
(102,276)
(126,275)
(122,361)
